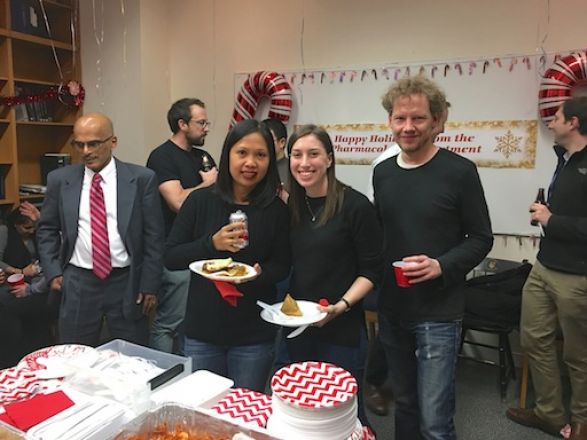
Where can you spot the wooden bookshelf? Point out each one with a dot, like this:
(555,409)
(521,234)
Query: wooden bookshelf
(33,59)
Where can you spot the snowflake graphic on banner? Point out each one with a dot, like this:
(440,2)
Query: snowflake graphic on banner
(508,144)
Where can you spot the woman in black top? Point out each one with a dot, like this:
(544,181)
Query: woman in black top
(336,252)
(26,313)
(234,341)
(18,247)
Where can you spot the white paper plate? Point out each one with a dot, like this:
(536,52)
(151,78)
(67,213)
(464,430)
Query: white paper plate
(78,355)
(310,315)
(196,267)
(276,427)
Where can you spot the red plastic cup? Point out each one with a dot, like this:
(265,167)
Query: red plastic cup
(400,277)
(15,280)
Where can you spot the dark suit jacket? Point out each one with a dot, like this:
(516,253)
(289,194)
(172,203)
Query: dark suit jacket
(140,225)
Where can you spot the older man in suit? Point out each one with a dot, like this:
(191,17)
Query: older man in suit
(101,239)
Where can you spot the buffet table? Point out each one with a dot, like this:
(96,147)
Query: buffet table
(127,392)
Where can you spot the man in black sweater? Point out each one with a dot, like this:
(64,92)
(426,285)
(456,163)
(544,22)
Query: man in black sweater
(555,293)
(435,218)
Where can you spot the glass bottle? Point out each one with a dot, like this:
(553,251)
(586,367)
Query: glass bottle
(206,163)
(539,199)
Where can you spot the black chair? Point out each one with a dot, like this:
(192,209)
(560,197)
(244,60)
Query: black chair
(493,302)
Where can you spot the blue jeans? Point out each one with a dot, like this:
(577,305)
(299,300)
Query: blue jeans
(422,359)
(247,365)
(170,312)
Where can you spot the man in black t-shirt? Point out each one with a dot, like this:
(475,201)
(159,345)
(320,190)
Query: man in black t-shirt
(181,167)
(435,219)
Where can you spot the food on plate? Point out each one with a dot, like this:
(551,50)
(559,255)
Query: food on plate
(212,266)
(224,267)
(236,270)
(290,306)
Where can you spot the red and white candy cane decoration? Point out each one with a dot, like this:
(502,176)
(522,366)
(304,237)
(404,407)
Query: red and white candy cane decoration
(271,84)
(559,81)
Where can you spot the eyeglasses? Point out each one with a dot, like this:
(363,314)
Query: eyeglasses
(202,123)
(92,145)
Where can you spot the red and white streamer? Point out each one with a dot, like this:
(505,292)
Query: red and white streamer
(559,81)
(255,87)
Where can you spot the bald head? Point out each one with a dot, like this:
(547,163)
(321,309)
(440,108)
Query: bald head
(98,121)
(93,137)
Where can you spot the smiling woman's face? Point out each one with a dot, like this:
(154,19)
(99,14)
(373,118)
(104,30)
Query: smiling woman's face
(248,163)
(309,163)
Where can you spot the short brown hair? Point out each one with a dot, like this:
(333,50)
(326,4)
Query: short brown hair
(417,85)
(576,107)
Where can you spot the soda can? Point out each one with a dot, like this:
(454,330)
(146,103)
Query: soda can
(237,217)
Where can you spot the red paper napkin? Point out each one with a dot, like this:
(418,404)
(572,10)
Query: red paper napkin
(228,292)
(27,413)
(4,418)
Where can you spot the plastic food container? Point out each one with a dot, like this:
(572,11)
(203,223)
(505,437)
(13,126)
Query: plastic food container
(201,389)
(163,360)
(178,419)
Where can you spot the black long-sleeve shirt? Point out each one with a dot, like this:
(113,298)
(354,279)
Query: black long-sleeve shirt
(564,245)
(327,260)
(437,209)
(208,317)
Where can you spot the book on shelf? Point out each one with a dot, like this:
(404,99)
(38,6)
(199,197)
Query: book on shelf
(32,188)
(34,110)
(44,109)
(27,17)
(21,110)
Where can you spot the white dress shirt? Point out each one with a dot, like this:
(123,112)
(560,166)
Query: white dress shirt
(82,252)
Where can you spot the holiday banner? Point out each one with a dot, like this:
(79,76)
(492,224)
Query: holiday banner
(490,144)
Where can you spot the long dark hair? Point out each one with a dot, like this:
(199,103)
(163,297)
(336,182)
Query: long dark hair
(335,192)
(266,190)
(15,218)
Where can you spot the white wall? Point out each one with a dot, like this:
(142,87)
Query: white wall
(125,69)
(159,51)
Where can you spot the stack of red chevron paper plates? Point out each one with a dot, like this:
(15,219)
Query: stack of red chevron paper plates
(314,401)
(245,407)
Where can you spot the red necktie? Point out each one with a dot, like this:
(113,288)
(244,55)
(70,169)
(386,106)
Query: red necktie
(102,265)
